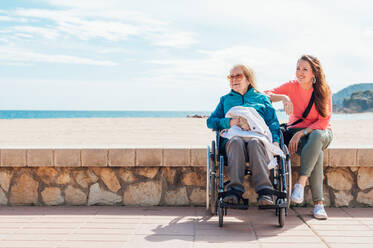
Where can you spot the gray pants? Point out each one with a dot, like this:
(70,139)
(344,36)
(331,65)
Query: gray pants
(238,153)
(311,151)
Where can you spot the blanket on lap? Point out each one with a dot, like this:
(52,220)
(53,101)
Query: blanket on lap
(258,129)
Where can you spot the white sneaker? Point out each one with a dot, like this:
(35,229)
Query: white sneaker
(319,212)
(298,193)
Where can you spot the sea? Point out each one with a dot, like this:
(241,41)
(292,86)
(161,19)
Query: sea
(50,114)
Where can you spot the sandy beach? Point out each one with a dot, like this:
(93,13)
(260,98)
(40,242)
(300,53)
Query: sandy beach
(143,133)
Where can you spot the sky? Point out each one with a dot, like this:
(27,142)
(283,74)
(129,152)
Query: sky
(171,55)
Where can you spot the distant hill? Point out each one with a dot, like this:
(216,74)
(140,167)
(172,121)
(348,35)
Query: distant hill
(360,101)
(346,93)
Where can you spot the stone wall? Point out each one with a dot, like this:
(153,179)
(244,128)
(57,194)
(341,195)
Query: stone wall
(149,177)
(344,187)
(144,186)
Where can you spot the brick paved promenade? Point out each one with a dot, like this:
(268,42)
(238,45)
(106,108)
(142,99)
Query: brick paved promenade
(178,227)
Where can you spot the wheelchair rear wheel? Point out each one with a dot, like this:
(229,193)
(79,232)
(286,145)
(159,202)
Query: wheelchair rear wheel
(211,179)
(288,177)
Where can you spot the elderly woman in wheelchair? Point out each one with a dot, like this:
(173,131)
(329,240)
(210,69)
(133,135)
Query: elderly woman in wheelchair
(250,134)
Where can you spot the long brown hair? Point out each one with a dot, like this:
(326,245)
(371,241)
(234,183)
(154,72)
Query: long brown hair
(249,75)
(320,87)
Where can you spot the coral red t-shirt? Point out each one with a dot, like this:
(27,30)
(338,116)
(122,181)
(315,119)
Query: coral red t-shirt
(300,99)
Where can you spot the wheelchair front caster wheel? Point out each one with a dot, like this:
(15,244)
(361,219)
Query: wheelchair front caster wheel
(221,216)
(281,217)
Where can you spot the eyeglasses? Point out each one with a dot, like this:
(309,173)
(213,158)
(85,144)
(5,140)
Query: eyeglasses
(237,76)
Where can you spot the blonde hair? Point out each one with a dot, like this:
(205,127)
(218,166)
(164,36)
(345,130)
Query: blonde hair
(249,75)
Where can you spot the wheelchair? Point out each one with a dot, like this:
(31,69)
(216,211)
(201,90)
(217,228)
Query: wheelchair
(280,177)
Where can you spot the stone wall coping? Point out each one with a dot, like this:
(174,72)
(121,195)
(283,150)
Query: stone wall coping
(140,157)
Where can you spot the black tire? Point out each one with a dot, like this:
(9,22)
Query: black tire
(288,182)
(281,212)
(273,177)
(281,217)
(221,215)
(288,177)
(212,194)
(208,165)
(213,149)
(211,180)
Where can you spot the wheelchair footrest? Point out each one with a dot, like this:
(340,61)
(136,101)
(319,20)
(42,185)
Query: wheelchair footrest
(243,203)
(236,206)
(277,193)
(243,206)
(281,205)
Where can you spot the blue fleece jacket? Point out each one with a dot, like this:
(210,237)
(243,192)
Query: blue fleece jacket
(251,98)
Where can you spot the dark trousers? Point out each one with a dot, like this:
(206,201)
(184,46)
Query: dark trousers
(238,153)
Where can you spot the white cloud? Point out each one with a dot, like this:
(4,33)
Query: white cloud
(215,64)
(214,35)
(112,31)
(175,39)
(111,24)
(15,63)
(5,40)
(23,36)
(287,29)
(368,33)
(106,50)
(6,19)
(25,56)
(47,33)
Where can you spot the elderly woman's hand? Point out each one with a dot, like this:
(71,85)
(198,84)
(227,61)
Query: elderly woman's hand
(244,125)
(234,122)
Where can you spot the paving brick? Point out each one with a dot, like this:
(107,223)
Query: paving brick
(121,157)
(176,157)
(39,157)
(93,244)
(149,157)
(94,157)
(13,157)
(342,157)
(181,227)
(67,157)
(351,240)
(294,239)
(26,243)
(95,237)
(198,157)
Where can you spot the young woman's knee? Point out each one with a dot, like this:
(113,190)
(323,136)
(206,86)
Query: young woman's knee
(316,135)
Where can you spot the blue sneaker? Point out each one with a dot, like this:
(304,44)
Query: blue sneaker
(298,193)
(319,212)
